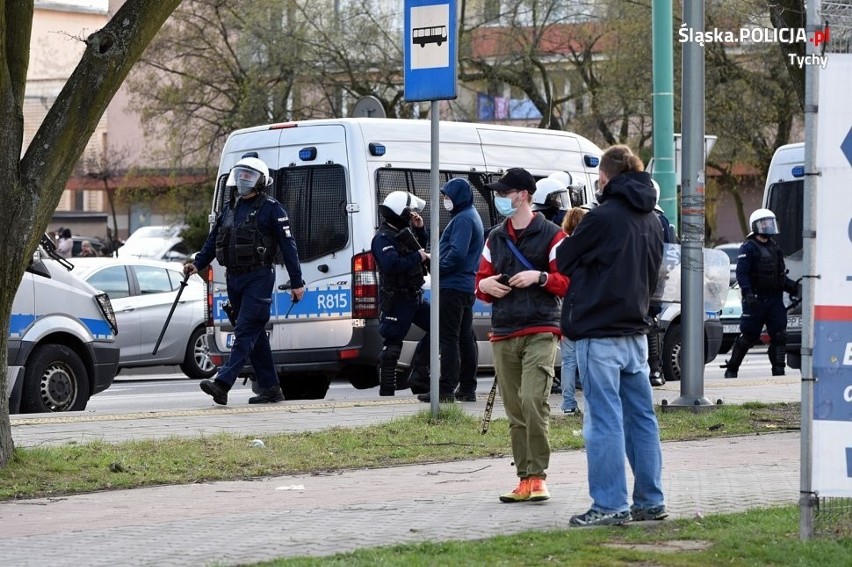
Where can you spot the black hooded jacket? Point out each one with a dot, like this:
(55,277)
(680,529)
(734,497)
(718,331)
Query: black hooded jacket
(613,259)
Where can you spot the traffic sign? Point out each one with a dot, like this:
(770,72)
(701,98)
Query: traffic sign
(430,49)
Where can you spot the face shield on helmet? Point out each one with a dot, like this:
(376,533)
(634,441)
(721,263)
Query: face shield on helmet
(398,206)
(763,222)
(249,175)
(550,194)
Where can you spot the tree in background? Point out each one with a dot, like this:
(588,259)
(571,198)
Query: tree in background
(751,104)
(217,66)
(33,184)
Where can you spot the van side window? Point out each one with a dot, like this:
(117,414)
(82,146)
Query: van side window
(417,181)
(786,200)
(315,199)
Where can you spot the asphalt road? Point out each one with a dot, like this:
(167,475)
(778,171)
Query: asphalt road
(166,388)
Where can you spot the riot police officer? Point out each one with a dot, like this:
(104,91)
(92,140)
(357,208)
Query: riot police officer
(551,196)
(402,263)
(248,234)
(762,276)
(655,346)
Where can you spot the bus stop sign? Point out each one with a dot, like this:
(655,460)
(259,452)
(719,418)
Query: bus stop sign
(430,50)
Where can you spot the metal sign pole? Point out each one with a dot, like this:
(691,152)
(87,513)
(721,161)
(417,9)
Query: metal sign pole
(434,234)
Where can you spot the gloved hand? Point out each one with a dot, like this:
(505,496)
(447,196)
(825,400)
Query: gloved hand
(749,300)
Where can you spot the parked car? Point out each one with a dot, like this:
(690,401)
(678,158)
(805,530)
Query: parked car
(142,293)
(732,249)
(156,243)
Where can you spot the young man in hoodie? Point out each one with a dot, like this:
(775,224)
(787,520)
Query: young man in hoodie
(613,258)
(460,248)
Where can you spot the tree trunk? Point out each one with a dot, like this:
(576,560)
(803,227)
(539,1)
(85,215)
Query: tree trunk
(34,184)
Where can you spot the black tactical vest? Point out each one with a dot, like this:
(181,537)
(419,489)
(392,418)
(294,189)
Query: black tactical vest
(767,273)
(408,284)
(243,246)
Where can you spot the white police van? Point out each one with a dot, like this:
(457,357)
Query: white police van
(331,176)
(61,338)
(784,196)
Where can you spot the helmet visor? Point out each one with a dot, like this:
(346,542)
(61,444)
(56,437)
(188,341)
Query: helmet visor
(767,226)
(558,200)
(245,179)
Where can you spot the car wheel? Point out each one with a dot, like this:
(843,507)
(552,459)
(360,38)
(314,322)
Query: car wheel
(196,363)
(55,380)
(672,345)
(794,359)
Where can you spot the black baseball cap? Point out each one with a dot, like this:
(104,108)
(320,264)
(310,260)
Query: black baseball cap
(515,179)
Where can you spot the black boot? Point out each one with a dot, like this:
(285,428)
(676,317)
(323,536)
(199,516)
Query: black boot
(387,378)
(218,390)
(738,352)
(778,353)
(268,396)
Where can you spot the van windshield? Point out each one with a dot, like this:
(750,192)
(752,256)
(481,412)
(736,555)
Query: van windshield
(786,200)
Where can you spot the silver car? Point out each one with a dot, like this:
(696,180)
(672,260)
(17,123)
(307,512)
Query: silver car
(142,292)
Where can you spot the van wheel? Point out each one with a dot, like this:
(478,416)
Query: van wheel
(55,381)
(304,386)
(672,346)
(196,362)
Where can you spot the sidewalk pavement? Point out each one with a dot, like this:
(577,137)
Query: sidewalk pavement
(237,522)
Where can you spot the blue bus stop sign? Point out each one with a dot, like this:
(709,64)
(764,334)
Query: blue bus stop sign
(430,50)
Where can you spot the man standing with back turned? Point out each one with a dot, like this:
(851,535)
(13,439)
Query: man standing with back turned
(613,259)
(245,238)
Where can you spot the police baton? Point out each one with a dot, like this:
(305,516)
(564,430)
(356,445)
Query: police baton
(286,287)
(183,284)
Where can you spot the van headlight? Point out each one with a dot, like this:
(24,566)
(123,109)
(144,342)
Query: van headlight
(106,308)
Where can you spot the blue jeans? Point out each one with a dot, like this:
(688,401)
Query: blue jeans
(569,374)
(619,419)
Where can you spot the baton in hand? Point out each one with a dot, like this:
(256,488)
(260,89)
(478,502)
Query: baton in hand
(286,287)
(183,284)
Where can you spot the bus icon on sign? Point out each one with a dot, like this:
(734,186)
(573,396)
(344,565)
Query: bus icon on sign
(429,34)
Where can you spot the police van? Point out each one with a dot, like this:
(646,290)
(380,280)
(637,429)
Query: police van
(331,175)
(62,331)
(784,196)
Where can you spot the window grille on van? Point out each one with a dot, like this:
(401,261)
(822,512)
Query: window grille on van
(315,199)
(786,200)
(416,181)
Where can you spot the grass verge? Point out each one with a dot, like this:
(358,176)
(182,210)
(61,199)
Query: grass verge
(755,538)
(453,435)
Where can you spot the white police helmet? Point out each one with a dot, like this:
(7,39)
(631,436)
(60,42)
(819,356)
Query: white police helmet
(550,194)
(248,175)
(763,222)
(657,206)
(562,177)
(400,204)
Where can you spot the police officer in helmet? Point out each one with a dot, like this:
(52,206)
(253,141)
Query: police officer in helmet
(551,196)
(762,276)
(402,262)
(248,234)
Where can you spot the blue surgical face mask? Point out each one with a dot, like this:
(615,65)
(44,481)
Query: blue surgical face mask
(504,206)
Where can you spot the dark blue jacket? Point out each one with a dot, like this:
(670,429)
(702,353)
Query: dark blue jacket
(613,259)
(462,240)
(272,220)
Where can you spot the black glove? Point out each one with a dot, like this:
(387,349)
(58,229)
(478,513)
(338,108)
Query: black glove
(749,300)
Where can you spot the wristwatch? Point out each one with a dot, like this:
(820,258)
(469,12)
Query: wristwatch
(542,278)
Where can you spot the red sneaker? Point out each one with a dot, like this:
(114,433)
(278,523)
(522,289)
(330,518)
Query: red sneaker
(520,494)
(538,489)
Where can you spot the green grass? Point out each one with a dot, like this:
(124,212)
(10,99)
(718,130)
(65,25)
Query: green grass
(758,537)
(453,435)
